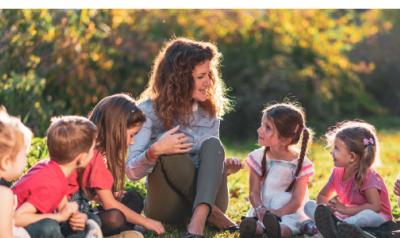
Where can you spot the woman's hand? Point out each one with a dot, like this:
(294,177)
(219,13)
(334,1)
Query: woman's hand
(171,142)
(154,225)
(233,165)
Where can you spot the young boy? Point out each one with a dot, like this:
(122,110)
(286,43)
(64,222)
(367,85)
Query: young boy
(41,193)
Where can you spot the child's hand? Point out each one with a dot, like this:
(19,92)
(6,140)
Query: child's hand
(154,225)
(332,202)
(397,187)
(260,211)
(233,165)
(68,210)
(78,221)
(337,206)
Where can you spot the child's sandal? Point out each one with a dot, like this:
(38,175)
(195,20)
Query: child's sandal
(271,225)
(325,221)
(346,230)
(248,227)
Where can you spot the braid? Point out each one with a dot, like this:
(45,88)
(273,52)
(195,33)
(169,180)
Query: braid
(264,163)
(304,143)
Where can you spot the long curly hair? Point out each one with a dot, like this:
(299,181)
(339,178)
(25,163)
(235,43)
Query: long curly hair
(171,83)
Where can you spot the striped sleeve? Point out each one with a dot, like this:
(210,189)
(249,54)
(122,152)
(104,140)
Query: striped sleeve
(254,161)
(307,169)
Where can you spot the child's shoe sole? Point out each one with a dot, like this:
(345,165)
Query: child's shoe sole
(93,229)
(127,234)
(325,221)
(271,225)
(248,227)
(346,230)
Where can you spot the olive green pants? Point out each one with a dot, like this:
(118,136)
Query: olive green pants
(176,187)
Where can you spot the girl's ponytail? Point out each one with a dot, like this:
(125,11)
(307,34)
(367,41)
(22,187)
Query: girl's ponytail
(304,143)
(367,159)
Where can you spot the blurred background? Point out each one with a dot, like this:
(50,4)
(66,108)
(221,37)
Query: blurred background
(339,64)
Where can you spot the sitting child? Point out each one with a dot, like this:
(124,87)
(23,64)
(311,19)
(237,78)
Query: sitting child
(279,174)
(118,120)
(15,140)
(42,191)
(355,195)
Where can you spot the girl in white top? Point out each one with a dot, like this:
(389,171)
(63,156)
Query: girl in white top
(15,140)
(279,174)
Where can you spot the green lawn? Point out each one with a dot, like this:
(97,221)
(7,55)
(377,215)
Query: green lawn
(238,183)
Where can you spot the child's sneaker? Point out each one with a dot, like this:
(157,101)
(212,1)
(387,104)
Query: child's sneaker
(93,229)
(308,228)
(271,225)
(248,227)
(346,230)
(127,234)
(325,221)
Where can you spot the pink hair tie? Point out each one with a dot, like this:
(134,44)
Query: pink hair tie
(368,141)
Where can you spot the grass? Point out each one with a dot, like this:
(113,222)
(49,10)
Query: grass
(238,183)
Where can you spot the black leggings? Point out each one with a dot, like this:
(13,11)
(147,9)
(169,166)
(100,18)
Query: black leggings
(114,221)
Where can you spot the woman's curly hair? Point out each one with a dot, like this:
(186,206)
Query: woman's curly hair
(171,83)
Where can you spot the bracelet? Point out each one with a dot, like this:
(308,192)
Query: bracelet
(150,154)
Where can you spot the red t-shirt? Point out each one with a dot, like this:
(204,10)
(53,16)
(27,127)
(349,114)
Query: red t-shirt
(44,186)
(95,176)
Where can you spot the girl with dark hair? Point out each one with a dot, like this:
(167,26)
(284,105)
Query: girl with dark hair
(118,119)
(178,147)
(279,174)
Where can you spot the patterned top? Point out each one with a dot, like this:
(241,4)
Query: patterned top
(280,174)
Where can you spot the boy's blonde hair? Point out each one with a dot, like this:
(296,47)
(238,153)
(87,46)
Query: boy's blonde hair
(14,136)
(360,138)
(68,136)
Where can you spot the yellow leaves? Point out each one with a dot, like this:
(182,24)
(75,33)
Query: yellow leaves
(84,18)
(32,30)
(49,36)
(27,14)
(387,25)
(94,56)
(107,65)
(121,16)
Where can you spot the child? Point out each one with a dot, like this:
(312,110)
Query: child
(279,174)
(118,120)
(15,140)
(42,191)
(355,195)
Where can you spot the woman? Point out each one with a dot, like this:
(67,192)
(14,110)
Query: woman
(178,147)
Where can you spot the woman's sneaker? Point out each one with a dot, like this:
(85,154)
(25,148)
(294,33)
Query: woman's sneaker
(308,228)
(346,230)
(248,227)
(271,225)
(93,229)
(325,221)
